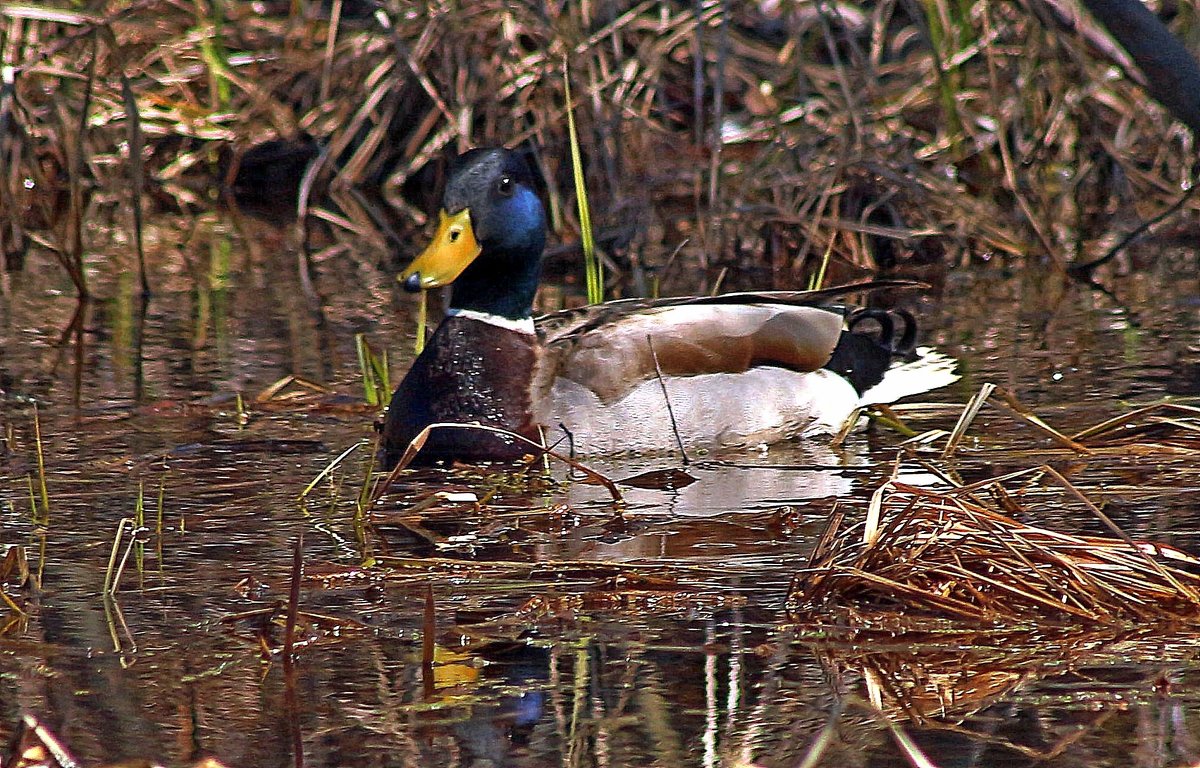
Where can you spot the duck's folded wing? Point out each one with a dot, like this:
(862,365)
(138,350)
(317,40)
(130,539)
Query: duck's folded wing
(564,323)
(612,357)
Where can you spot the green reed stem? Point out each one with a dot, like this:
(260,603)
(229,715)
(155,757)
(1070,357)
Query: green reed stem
(44,518)
(593,268)
(422,321)
(817,280)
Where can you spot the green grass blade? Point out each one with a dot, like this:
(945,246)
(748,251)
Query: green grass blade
(44,493)
(593,268)
(366,370)
(422,321)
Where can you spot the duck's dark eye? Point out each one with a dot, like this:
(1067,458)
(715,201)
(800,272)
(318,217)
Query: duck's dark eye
(505,186)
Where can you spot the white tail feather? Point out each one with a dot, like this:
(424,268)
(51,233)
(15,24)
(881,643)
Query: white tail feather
(928,372)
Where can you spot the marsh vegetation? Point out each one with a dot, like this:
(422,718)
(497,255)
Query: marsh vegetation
(202,205)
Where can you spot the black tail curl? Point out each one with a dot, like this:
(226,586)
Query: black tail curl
(863,355)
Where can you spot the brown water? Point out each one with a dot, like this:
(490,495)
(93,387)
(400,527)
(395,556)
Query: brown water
(567,634)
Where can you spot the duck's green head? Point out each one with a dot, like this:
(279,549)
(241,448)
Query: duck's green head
(490,236)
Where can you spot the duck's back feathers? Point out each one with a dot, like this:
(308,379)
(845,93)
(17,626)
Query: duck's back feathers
(687,340)
(723,375)
(588,317)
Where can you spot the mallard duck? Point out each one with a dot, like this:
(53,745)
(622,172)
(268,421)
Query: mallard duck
(725,371)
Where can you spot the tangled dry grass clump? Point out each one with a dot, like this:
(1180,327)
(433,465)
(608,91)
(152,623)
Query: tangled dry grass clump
(945,553)
(962,553)
(766,139)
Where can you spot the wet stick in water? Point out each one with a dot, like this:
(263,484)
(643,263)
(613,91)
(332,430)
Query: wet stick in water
(112,574)
(580,694)
(14,564)
(1012,406)
(361,505)
(114,619)
(30,726)
(42,513)
(969,412)
(428,639)
(289,647)
(293,604)
(667,399)
(328,469)
(1183,418)
(418,442)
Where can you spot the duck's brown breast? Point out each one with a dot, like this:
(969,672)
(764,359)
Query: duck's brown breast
(471,371)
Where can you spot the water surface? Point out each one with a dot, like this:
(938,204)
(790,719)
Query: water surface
(568,631)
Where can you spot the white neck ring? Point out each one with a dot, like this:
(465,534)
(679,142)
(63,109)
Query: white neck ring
(524,325)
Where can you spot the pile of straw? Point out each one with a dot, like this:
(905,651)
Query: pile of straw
(949,553)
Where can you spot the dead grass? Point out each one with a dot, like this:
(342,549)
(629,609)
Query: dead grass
(963,553)
(761,141)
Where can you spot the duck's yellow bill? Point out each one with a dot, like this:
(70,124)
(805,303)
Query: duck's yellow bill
(453,248)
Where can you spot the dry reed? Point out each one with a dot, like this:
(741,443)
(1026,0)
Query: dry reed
(767,140)
(952,553)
